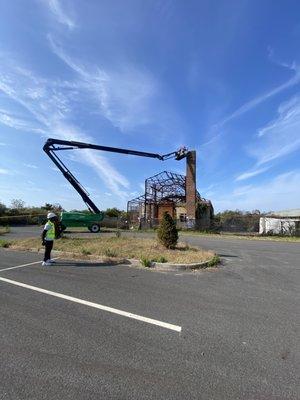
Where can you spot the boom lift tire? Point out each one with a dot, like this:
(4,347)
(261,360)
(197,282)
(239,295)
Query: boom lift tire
(95,228)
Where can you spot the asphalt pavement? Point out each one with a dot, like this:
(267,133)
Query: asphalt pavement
(238,338)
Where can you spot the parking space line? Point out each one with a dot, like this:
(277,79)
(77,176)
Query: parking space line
(95,305)
(24,265)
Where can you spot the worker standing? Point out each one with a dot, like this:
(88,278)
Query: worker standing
(48,236)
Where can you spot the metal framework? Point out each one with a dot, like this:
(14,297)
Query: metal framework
(165,187)
(52,146)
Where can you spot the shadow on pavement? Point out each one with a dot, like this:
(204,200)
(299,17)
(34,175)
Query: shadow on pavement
(82,264)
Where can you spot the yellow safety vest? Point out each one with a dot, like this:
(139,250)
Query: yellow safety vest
(50,235)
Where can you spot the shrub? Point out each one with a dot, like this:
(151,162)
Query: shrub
(110,253)
(214,261)
(160,259)
(146,262)
(4,243)
(86,252)
(167,232)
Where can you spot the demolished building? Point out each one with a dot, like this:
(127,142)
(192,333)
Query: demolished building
(175,194)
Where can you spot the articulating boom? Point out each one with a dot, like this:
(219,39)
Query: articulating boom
(53,145)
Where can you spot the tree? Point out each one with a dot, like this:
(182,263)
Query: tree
(2,208)
(48,207)
(113,212)
(167,232)
(17,204)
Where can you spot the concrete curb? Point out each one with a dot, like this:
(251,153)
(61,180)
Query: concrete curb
(172,266)
(133,262)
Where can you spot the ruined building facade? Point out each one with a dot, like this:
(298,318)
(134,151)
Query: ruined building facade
(175,194)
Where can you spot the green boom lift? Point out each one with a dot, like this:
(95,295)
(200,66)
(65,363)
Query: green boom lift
(92,219)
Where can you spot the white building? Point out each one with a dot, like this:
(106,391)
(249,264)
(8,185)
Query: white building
(285,222)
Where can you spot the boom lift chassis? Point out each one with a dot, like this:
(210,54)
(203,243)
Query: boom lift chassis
(52,146)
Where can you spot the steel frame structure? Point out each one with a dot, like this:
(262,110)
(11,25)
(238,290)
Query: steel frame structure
(165,187)
(52,146)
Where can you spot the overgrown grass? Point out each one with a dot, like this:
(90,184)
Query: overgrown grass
(122,248)
(229,235)
(4,229)
(4,243)
(277,238)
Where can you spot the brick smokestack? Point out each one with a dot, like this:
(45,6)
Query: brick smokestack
(191,187)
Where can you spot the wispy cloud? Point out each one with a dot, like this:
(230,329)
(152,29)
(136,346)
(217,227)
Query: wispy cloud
(125,96)
(50,104)
(250,174)
(281,136)
(295,80)
(9,119)
(30,166)
(2,144)
(61,15)
(281,192)
(4,171)
(275,140)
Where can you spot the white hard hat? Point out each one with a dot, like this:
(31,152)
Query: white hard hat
(51,215)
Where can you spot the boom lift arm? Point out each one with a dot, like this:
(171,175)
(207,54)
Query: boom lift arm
(53,145)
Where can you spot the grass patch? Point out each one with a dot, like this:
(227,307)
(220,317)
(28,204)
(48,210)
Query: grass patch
(213,261)
(4,243)
(146,262)
(4,230)
(229,235)
(123,248)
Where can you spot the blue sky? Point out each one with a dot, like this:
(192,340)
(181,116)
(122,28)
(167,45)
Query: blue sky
(221,77)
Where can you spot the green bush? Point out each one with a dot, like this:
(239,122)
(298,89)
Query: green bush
(214,261)
(146,262)
(160,259)
(167,232)
(4,243)
(85,252)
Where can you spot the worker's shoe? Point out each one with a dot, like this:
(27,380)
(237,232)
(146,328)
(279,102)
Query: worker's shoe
(46,264)
(51,261)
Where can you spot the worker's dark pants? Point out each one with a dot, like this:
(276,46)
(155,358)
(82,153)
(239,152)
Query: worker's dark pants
(48,248)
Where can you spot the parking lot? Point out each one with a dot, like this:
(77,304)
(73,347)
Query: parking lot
(81,330)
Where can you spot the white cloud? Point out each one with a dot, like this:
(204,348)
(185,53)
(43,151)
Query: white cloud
(9,119)
(51,114)
(282,192)
(250,174)
(4,171)
(275,140)
(30,166)
(61,15)
(295,80)
(281,136)
(125,96)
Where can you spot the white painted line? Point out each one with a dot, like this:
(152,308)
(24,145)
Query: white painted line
(95,305)
(24,265)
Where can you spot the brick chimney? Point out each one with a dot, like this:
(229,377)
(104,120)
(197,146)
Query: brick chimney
(190,188)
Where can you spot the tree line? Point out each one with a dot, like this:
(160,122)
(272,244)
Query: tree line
(18,207)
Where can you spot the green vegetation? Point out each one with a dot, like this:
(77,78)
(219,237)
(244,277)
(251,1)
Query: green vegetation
(4,243)
(167,232)
(85,252)
(110,253)
(213,261)
(146,262)
(4,229)
(120,249)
